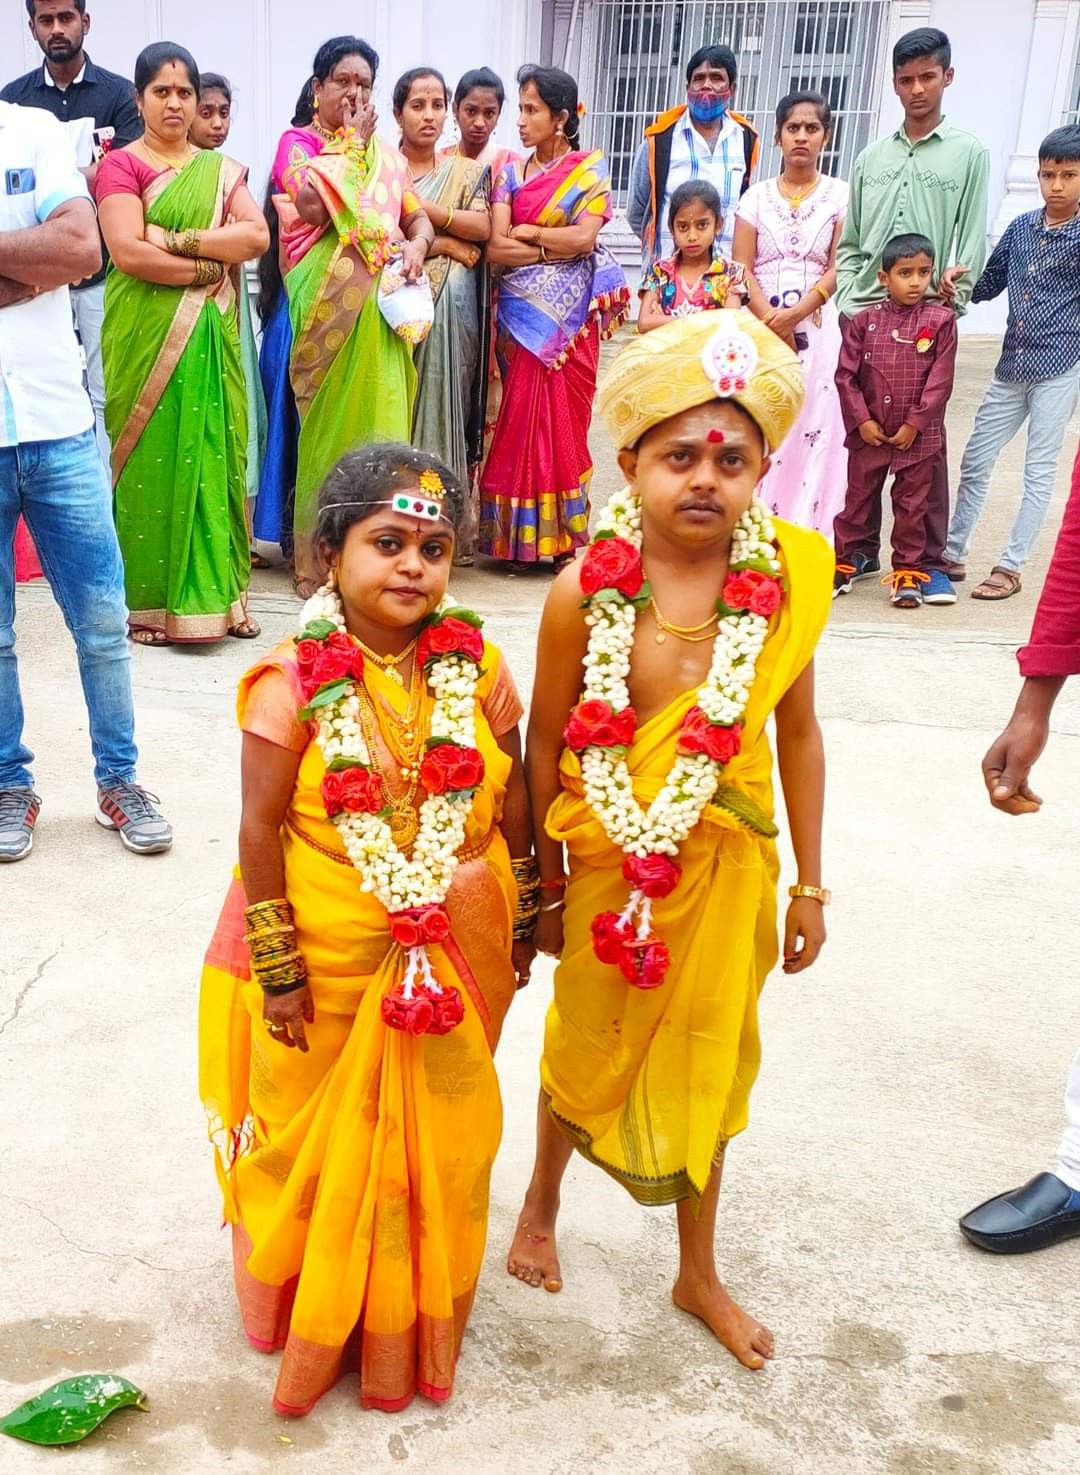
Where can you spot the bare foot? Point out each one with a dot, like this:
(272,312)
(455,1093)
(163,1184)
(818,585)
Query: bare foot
(533,1258)
(743,1336)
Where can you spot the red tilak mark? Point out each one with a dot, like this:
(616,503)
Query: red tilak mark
(717,437)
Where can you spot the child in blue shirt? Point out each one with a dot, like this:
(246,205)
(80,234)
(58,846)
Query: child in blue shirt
(1038,375)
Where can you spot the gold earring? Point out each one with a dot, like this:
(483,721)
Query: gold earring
(315,109)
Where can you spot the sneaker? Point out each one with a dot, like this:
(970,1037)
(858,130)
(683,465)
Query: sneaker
(906,587)
(938,589)
(130,810)
(849,574)
(19,809)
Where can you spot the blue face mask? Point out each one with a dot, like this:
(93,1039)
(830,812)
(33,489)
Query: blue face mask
(708,107)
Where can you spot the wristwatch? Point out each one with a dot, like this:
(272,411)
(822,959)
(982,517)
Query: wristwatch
(814,893)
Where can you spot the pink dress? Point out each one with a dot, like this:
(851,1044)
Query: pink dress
(808,477)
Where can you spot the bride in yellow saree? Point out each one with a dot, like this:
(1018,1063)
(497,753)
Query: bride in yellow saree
(354,1154)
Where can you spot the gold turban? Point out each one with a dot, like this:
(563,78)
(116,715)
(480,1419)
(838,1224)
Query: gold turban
(690,361)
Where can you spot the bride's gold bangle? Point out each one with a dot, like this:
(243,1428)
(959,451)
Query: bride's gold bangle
(812,893)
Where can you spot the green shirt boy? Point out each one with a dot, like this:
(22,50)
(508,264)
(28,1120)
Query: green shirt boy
(928,176)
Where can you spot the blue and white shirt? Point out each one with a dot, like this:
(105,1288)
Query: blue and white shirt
(41,379)
(1040,266)
(722,166)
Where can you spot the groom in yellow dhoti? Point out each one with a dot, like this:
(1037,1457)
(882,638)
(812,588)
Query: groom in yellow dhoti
(692,617)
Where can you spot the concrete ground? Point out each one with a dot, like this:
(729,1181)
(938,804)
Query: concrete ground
(915,1071)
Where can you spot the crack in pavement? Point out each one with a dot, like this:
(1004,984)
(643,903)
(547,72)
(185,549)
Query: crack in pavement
(24,992)
(107,1254)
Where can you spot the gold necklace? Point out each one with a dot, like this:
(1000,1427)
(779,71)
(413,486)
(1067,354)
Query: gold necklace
(796,197)
(388,664)
(689,633)
(170,163)
(403,819)
(326,134)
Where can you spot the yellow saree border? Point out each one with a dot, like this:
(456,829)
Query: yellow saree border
(178,337)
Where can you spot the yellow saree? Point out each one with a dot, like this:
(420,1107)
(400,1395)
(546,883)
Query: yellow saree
(355,1177)
(650,1084)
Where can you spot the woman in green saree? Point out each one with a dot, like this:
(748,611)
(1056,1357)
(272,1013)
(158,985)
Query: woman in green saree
(448,419)
(347,210)
(175,219)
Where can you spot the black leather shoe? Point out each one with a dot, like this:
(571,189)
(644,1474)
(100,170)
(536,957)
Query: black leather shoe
(1028,1218)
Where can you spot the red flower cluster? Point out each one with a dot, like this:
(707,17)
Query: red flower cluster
(450,636)
(655,875)
(642,962)
(357,790)
(419,925)
(333,659)
(699,735)
(612,563)
(425,1013)
(752,590)
(645,964)
(449,767)
(596,724)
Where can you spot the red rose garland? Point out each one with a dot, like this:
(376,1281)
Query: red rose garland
(602,727)
(330,664)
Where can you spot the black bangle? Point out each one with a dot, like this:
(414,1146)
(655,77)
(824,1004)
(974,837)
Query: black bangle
(276,991)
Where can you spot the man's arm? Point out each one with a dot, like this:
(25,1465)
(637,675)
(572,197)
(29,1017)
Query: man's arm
(971,227)
(1050,656)
(849,251)
(995,277)
(800,755)
(63,249)
(640,190)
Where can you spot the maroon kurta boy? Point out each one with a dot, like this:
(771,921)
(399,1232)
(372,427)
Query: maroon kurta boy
(896,367)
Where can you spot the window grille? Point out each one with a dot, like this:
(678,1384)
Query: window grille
(1072,112)
(631,60)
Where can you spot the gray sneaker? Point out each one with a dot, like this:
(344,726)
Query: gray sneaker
(19,809)
(130,810)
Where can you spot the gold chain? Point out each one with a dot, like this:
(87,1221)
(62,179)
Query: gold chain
(796,197)
(689,633)
(404,821)
(388,664)
(170,163)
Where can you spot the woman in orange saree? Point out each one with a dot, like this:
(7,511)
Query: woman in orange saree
(354,1151)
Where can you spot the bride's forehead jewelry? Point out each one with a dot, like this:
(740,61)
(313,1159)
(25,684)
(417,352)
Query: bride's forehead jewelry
(425,504)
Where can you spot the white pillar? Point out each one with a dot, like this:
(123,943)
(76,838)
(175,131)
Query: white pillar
(1045,94)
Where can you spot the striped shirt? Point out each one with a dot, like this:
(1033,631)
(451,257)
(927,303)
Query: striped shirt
(722,166)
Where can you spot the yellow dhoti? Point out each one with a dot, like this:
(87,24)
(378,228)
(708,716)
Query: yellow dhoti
(650,1084)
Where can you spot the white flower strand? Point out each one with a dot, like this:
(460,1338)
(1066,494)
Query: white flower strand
(693,779)
(400,883)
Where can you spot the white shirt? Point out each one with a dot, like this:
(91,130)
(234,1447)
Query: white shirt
(41,381)
(723,166)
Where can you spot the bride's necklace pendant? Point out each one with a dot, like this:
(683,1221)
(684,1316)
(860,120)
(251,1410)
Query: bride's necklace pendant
(404,827)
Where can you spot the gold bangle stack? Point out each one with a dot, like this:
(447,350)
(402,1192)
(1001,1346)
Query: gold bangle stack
(207,273)
(188,244)
(276,962)
(527,875)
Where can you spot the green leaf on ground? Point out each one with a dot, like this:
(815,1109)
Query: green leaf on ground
(68,1411)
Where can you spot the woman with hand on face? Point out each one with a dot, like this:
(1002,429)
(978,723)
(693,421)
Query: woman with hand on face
(448,415)
(210,130)
(177,220)
(558,293)
(347,209)
(786,234)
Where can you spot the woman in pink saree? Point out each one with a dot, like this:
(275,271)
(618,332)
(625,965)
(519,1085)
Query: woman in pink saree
(560,293)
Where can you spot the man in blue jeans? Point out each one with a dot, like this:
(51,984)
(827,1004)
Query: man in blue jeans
(51,472)
(1037,378)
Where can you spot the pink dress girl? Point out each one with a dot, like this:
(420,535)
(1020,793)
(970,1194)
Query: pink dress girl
(808,477)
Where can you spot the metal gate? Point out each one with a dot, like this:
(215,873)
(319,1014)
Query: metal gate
(630,57)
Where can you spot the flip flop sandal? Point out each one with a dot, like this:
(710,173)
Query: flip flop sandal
(1002,583)
(956,573)
(246,630)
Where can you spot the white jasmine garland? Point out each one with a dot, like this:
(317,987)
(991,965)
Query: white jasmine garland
(723,697)
(401,883)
